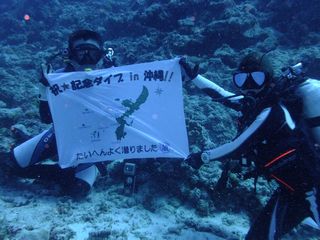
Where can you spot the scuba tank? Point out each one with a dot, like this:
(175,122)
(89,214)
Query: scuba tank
(293,84)
(309,92)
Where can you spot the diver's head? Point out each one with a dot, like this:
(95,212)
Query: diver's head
(254,75)
(85,47)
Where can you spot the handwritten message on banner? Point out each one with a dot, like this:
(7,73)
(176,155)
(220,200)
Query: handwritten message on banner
(133,111)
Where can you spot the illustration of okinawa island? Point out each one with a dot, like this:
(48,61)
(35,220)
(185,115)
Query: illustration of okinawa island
(132,107)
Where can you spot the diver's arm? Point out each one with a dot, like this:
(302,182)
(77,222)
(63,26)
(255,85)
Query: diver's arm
(218,93)
(44,110)
(254,133)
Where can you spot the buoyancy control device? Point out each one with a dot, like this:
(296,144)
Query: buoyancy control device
(309,92)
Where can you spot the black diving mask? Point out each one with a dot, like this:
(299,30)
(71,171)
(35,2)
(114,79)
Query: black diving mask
(86,54)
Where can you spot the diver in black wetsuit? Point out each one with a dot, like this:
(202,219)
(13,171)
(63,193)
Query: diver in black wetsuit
(85,52)
(273,141)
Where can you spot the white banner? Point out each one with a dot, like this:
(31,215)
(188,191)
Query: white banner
(133,111)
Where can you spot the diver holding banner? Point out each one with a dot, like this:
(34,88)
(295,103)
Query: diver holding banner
(87,111)
(278,139)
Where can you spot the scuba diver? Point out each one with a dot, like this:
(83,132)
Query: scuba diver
(274,136)
(85,52)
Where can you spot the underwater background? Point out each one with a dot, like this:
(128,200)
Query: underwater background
(172,202)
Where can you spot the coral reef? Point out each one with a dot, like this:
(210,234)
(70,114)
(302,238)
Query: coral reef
(213,33)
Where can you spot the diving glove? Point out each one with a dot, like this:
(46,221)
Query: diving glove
(190,72)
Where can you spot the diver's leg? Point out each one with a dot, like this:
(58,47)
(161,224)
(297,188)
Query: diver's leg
(20,159)
(48,172)
(260,228)
(297,210)
(74,181)
(35,149)
(25,158)
(82,181)
(87,172)
(283,212)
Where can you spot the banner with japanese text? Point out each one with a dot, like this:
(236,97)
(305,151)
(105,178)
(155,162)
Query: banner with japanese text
(133,111)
